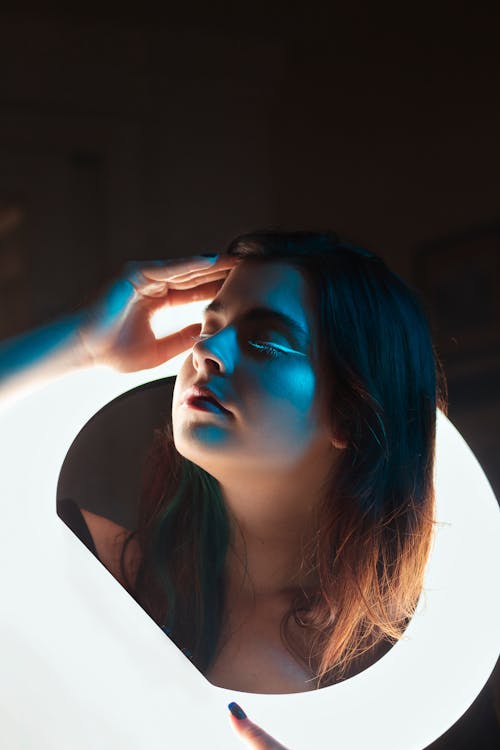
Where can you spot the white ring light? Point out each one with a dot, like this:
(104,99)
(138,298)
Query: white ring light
(83,666)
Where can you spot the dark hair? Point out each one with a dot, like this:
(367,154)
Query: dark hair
(383,382)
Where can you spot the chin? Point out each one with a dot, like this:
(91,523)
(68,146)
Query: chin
(194,449)
(210,457)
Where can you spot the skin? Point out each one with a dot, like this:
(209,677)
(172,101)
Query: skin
(271,456)
(252,735)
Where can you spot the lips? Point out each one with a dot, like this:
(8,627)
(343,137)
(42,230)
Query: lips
(201,394)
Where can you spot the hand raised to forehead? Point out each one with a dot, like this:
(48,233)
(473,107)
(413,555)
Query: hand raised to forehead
(116,329)
(190,276)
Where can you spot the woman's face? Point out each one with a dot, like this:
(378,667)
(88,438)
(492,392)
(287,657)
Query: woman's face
(275,422)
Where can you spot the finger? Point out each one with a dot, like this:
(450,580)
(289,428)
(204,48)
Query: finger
(164,270)
(193,294)
(148,283)
(176,343)
(196,280)
(160,289)
(223,263)
(147,275)
(176,265)
(252,735)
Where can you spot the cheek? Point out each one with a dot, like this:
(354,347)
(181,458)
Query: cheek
(295,384)
(303,389)
(289,399)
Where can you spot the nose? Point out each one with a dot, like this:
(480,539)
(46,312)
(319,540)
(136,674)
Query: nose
(215,353)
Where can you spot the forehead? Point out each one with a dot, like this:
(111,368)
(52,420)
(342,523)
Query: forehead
(271,284)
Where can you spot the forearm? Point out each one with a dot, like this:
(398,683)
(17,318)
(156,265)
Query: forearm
(33,359)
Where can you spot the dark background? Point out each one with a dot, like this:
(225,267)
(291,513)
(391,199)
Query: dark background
(133,133)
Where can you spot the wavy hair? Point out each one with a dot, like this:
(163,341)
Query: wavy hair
(383,382)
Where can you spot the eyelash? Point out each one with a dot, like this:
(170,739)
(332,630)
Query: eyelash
(267,349)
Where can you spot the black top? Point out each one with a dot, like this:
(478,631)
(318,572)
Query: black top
(72,516)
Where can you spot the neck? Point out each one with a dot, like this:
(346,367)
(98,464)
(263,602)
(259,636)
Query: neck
(270,534)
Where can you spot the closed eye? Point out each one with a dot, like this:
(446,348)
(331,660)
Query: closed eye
(270,348)
(276,347)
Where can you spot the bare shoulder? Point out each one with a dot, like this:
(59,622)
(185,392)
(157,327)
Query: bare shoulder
(109,538)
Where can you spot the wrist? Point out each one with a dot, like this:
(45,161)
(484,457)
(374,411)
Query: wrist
(84,354)
(37,357)
(70,351)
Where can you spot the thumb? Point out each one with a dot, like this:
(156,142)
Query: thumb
(252,735)
(176,343)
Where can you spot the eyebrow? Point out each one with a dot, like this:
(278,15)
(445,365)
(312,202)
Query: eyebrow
(280,319)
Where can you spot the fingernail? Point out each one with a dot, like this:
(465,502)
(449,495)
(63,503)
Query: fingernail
(237,710)
(208,255)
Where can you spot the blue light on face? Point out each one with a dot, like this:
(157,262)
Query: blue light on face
(270,348)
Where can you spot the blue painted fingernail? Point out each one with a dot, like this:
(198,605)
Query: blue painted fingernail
(209,255)
(237,710)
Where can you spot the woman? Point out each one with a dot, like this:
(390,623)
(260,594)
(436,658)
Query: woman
(283,533)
